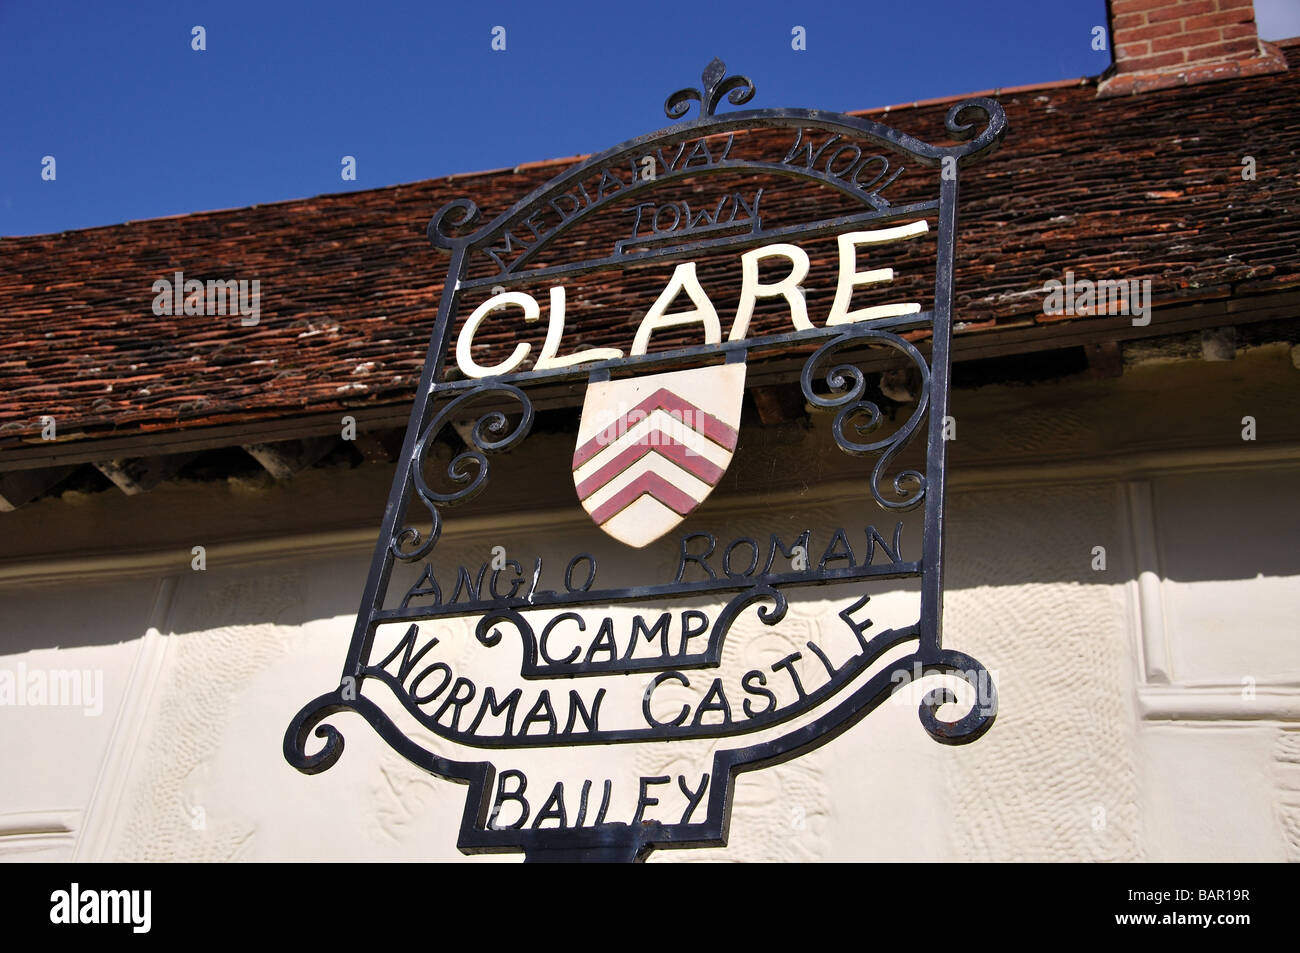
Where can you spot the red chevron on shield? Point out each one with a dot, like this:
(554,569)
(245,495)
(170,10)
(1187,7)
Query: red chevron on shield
(651,449)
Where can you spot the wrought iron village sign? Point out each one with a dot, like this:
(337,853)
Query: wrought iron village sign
(526,677)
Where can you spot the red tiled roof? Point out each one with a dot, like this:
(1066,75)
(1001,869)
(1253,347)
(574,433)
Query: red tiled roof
(1144,186)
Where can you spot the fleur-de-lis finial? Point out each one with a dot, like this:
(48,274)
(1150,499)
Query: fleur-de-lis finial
(738,90)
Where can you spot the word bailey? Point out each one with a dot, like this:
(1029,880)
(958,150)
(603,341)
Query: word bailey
(703,312)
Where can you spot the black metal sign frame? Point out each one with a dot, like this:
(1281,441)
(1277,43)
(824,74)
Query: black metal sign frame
(831,386)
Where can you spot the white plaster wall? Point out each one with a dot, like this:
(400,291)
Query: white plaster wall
(1101,751)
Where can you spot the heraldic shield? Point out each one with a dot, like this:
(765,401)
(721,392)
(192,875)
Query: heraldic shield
(651,449)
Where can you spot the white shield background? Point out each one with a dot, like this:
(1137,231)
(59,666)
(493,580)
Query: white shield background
(651,449)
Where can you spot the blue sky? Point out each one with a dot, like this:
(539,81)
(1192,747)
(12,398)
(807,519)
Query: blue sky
(141,125)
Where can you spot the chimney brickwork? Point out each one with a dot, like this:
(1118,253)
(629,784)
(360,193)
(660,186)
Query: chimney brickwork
(1158,44)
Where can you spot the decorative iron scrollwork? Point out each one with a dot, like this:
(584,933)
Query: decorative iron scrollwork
(392,654)
(848,384)
(738,90)
(462,214)
(984,707)
(961,120)
(491,433)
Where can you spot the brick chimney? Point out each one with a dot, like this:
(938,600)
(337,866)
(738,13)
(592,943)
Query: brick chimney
(1162,43)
